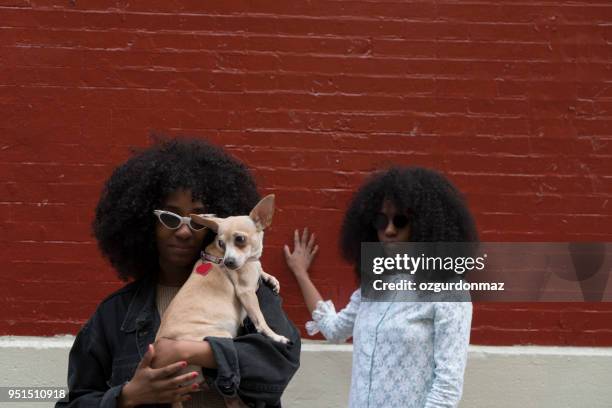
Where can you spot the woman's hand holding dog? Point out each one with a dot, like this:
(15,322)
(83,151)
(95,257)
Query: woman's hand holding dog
(157,385)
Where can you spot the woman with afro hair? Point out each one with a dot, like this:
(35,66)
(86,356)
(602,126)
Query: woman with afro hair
(110,363)
(405,354)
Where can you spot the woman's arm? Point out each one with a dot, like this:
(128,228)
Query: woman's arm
(89,365)
(253,366)
(299,261)
(198,353)
(336,327)
(452,323)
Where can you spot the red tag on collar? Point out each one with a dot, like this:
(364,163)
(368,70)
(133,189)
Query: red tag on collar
(204,268)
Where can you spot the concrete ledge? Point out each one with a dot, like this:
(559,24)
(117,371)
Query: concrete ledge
(518,376)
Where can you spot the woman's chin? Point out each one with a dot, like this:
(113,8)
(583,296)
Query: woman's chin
(183,260)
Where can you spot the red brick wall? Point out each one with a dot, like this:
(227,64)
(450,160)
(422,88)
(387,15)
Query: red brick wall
(512,101)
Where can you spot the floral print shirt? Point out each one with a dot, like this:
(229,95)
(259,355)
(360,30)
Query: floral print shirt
(405,354)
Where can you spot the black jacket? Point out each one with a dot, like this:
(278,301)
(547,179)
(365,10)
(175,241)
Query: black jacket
(110,345)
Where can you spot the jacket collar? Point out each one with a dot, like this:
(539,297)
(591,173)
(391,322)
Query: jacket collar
(141,311)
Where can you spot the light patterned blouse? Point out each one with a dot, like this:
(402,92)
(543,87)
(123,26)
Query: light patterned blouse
(405,354)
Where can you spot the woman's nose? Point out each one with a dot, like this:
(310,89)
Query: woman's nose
(183,231)
(390,229)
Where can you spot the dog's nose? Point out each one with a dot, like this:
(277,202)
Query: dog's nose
(230,263)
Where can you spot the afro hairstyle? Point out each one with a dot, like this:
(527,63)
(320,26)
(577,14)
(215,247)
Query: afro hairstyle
(124,225)
(436,209)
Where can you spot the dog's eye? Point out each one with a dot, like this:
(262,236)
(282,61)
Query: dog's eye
(221,244)
(240,240)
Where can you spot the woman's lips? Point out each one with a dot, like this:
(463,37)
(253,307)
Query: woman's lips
(182,249)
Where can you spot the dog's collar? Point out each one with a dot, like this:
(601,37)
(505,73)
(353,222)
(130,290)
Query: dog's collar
(211,258)
(219,261)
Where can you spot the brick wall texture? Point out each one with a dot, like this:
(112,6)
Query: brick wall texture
(511,99)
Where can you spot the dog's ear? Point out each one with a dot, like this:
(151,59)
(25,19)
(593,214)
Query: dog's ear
(263,212)
(208,220)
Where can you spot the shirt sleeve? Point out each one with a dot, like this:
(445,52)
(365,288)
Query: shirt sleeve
(253,366)
(88,367)
(335,327)
(452,323)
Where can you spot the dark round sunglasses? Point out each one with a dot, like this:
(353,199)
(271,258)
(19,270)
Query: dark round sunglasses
(381,221)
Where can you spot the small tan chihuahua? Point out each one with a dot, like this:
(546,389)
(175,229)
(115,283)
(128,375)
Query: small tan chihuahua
(219,294)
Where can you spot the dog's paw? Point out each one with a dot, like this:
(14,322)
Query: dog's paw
(280,339)
(266,331)
(272,282)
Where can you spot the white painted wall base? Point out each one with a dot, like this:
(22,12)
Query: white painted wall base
(524,377)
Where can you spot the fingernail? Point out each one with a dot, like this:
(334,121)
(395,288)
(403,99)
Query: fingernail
(184,364)
(194,375)
(195,386)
